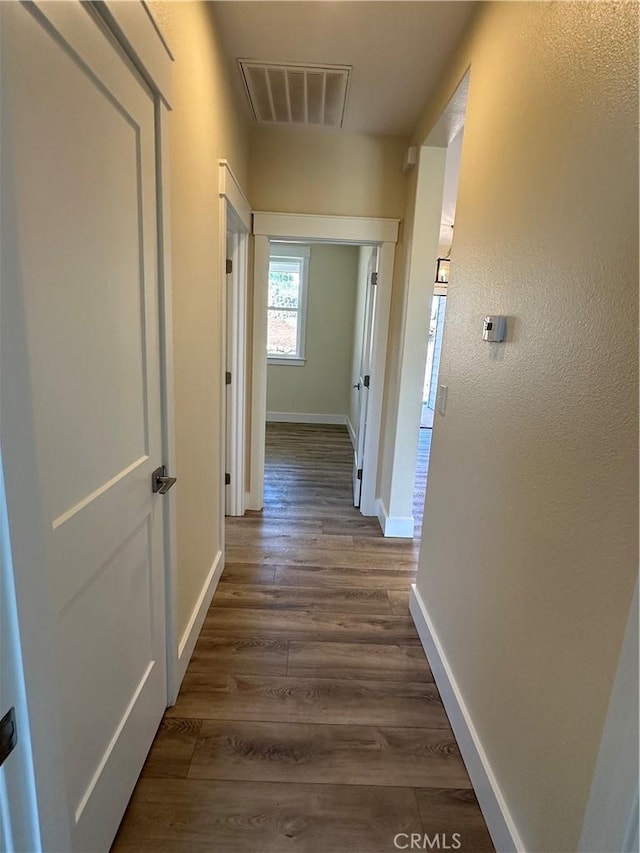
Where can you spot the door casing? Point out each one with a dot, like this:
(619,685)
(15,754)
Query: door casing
(349,230)
(235,228)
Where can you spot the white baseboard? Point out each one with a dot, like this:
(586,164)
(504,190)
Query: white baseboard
(394,527)
(492,803)
(352,433)
(194,626)
(305,418)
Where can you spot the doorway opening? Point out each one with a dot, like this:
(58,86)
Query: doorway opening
(235,227)
(343,232)
(438,307)
(427,414)
(321,309)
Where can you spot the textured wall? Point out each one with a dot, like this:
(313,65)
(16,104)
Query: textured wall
(322,384)
(205,125)
(530,533)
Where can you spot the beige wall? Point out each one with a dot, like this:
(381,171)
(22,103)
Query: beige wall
(530,534)
(322,384)
(205,125)
(315,171)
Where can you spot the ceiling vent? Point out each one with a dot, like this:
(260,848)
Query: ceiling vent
(313,95)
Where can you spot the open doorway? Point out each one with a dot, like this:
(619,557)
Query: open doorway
(321,308)
(399,507)
(311,230)
(434,348)
(438,307)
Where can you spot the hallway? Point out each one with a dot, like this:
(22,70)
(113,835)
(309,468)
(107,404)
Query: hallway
(308,719)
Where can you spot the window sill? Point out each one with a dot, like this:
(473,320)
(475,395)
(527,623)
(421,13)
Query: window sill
(292,362)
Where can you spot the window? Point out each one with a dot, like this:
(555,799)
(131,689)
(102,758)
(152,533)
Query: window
(287,303)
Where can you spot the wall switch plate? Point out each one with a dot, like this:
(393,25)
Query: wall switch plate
(494,328)
(441,406)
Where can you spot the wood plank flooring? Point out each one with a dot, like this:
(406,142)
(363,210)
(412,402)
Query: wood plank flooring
(308,719)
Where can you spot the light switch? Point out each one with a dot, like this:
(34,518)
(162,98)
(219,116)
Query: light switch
(443,390)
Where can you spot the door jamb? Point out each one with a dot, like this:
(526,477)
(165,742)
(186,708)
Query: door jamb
(330,229)
(235,218)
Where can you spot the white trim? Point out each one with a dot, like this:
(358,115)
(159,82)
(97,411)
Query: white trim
(194,625)
(305,418)
(229,187)
(499,821)
(165,311)
(352,432)
(611,818)
(373,417)
(138,32)
(301,255)
(234,218)
(255,497)
(394,528)
(285,361)
(332,229)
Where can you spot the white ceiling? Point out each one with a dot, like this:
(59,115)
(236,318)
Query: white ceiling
(397,49)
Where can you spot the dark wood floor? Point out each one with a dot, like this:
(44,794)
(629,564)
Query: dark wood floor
(308,719)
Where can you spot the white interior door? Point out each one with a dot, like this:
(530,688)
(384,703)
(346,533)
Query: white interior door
(229,402)
(364,378)
(80,265)
(18,808)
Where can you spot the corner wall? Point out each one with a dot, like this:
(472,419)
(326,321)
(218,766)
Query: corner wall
(529,551)
(206,125)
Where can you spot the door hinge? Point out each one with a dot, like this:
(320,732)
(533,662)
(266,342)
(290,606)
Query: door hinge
(8,734)
(374,278)
(229,266)
(227,479)
(359,474)
(227,377)
(366,381)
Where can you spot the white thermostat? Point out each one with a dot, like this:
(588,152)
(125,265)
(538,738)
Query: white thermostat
(494,328)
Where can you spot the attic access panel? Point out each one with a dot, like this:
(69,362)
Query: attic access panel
(314,95)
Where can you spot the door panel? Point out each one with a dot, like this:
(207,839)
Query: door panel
(363,381)
(18,808)
(79,134)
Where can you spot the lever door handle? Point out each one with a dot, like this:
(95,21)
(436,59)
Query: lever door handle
(357,385)
(160,482)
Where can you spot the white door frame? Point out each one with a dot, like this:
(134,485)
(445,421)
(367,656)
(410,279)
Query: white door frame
(402,429)
(611,817)
(138,35)
(350,230)
(235,219)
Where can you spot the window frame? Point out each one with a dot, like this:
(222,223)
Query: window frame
(302,254)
